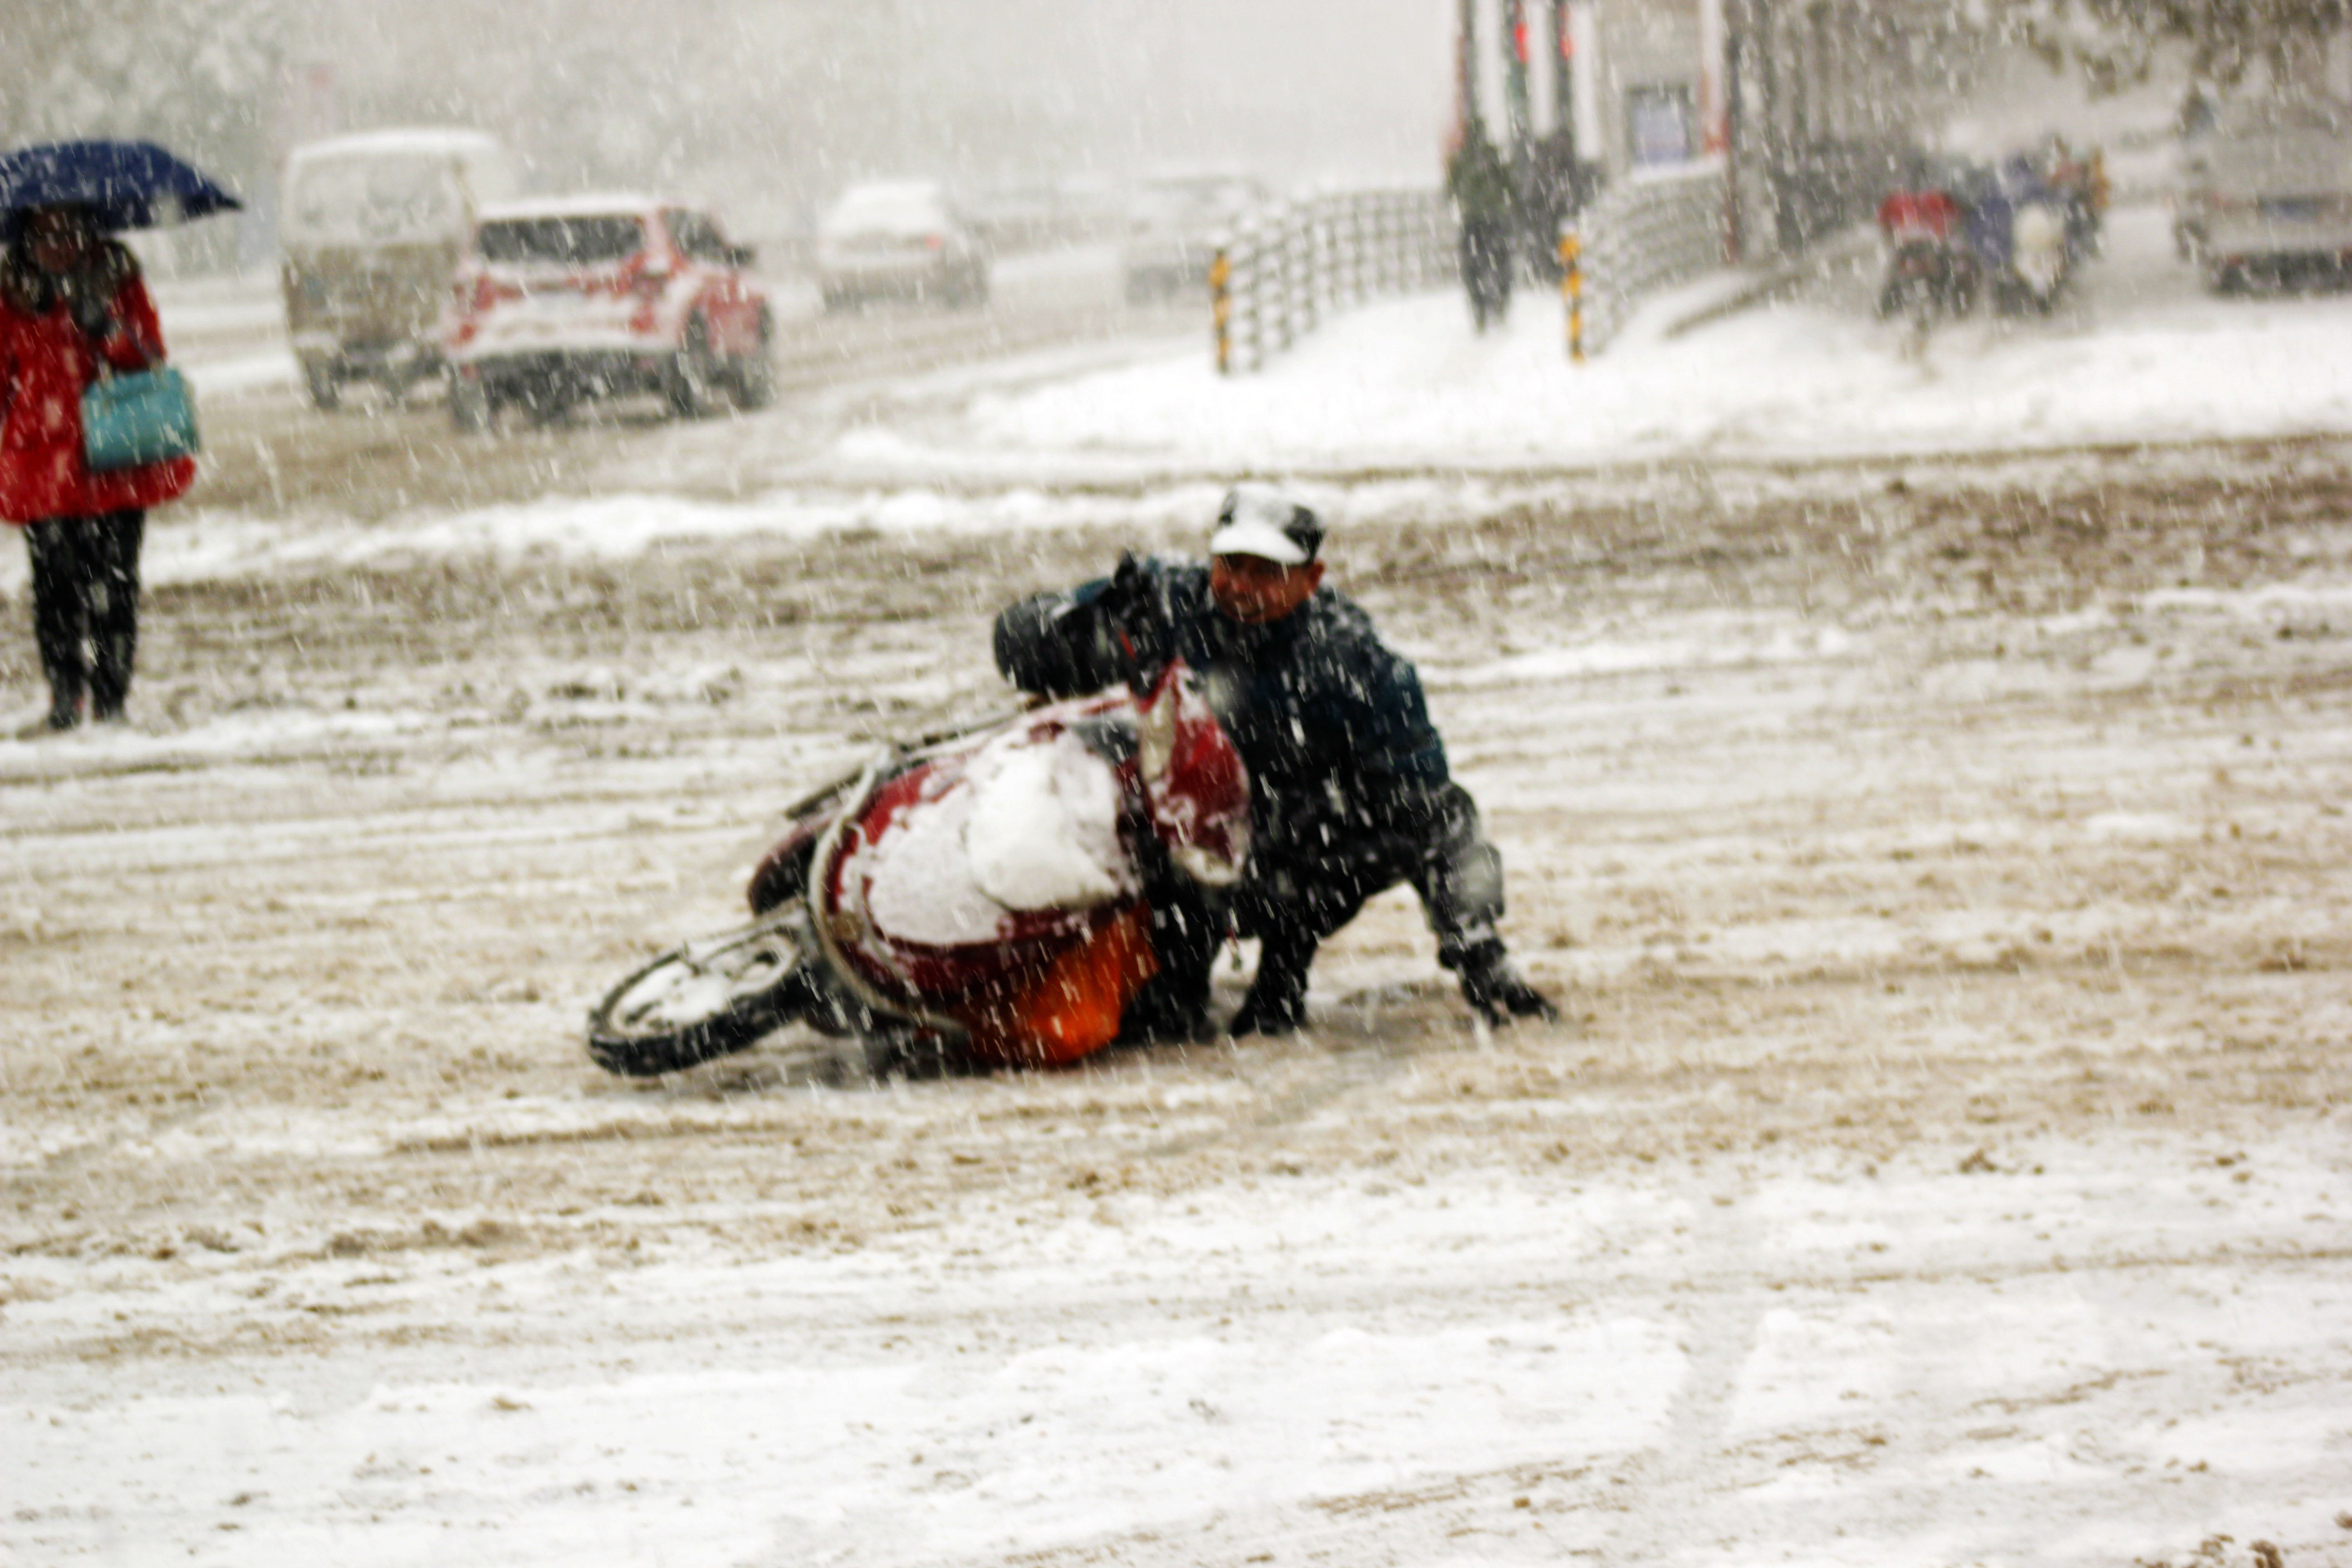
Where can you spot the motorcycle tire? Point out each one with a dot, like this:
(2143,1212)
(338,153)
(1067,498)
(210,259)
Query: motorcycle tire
(708,999)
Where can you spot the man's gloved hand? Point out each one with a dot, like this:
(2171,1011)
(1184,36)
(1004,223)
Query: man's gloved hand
(1495,989)
(1130,614)
(1128,589)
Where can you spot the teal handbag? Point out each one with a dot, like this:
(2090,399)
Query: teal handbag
(136,417)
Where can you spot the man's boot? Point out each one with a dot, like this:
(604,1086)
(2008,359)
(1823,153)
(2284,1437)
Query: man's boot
(1186,930)
(1172,1007)
(1277,1002)
(1494,988)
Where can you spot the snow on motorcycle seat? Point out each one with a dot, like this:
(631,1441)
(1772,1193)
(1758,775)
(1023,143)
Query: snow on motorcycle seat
(1032,824)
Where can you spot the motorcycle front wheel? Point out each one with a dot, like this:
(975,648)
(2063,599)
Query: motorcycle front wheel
(706,999)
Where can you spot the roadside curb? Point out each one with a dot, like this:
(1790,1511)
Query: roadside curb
(1773,282)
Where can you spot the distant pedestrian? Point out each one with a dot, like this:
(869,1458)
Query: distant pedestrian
(1480,184)
(71,303)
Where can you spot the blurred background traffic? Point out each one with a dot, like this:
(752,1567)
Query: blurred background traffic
(837,158)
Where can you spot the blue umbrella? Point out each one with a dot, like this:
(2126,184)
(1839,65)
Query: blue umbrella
(124,184)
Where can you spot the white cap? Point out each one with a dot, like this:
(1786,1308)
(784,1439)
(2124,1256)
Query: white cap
(1263,521)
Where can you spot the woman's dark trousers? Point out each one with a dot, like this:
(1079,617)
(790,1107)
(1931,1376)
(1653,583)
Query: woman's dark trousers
(86,609)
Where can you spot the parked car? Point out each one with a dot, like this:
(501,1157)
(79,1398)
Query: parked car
(1173,226)
(602,296)
(2266,194)
(372,226)
(899,237)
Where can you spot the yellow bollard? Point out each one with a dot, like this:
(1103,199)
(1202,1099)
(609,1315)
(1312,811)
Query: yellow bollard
(1571,291)
(1221,306)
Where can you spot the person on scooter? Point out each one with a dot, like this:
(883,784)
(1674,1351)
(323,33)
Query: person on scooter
(1351,791)
(1918,206)
(1920,220)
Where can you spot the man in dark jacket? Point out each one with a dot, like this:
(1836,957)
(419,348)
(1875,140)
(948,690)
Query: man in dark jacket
(1480,184)
(1349,791)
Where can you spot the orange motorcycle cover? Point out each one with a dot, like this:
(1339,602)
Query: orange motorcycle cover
(1071,1008)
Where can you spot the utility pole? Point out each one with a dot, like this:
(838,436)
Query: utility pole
(1737,140)
(1563,82)
(1772,113)
(1713,122)
(1530,222)
(1518,112)
(1465,71)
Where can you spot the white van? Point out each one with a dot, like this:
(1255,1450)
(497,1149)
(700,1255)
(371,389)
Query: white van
(2267,195)
(372,226)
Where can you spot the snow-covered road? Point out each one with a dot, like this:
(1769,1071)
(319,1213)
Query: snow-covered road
(1943,861)
(230,334)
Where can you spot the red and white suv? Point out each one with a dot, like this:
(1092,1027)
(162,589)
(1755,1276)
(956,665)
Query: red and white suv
(586,297)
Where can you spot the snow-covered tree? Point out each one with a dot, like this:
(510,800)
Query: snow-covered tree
(201,77)
(2114,42)
(197,73)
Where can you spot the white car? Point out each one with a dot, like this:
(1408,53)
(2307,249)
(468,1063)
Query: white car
(581,297)
(901,239)
(2266,194)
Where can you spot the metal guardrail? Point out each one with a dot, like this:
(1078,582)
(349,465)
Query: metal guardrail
(1288,268)
(1645,234)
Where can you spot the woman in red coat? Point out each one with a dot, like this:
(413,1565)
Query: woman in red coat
(72,301)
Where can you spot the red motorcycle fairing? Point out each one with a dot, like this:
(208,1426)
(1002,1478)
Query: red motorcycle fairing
(1038,975)
(1195,784)
(930,972)
(783,872)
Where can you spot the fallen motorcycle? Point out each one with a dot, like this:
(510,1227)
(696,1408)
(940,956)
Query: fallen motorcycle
(978,899)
